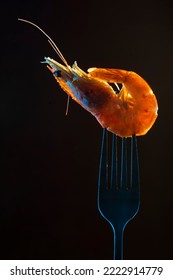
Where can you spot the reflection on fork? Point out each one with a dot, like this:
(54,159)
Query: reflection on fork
(119,193)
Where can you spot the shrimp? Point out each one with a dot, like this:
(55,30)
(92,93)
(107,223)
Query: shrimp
(130,110)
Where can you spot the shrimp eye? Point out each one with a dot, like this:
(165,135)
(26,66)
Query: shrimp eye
(57,73)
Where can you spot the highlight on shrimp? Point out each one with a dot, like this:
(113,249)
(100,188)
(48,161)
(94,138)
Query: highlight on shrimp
(125,112)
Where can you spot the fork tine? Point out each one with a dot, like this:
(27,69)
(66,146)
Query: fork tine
(103,168)
(114,163)
(134,172)
(123,176)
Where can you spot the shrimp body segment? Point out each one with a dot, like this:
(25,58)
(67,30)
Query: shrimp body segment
(132,110)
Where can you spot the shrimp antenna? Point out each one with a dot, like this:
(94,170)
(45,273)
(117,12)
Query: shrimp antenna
(51,42)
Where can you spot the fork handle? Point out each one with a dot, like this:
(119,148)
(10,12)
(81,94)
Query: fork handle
(118,244)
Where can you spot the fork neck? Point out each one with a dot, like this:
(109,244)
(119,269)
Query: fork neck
(118,244)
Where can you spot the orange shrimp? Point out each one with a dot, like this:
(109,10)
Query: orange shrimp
(125,112)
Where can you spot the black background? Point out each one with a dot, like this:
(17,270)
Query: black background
(49,162)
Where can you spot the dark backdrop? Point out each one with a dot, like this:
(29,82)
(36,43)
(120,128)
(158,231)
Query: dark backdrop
(49,162)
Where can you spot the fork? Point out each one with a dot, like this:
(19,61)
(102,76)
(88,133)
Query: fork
(119,193)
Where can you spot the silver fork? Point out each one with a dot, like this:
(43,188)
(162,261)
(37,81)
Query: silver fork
(119,193)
